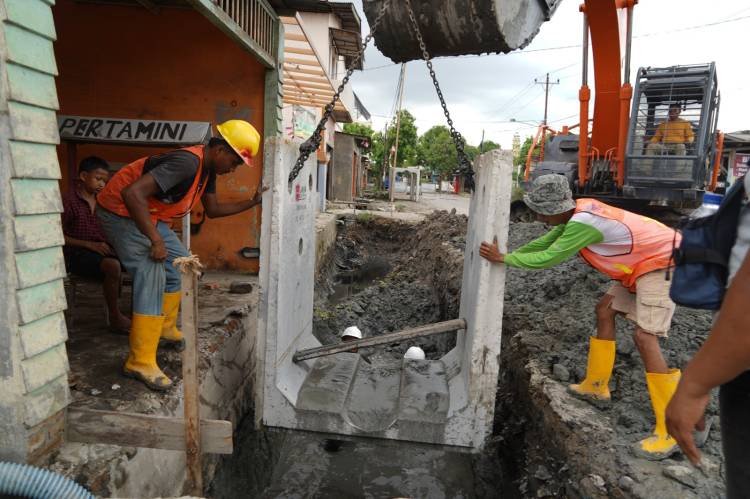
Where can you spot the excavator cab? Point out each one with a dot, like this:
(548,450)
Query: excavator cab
(671,143)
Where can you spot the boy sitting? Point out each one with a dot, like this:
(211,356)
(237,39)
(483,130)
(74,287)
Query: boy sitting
(87,253)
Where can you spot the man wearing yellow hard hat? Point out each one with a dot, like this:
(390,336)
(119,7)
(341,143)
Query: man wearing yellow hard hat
(136,208)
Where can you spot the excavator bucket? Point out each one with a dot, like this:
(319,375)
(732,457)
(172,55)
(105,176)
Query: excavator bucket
(457,27)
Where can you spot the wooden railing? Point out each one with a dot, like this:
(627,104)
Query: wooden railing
(256,18)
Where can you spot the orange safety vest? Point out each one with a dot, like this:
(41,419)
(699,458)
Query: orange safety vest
(651,248)
(110,198)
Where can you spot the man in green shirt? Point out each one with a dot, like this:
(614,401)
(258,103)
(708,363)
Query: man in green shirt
(632,250)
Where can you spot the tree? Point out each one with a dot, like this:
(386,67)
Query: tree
(361,129)
(407,139)
(437,152)
(489,146)
(521,158)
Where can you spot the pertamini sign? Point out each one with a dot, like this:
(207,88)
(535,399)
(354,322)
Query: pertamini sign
(128,131)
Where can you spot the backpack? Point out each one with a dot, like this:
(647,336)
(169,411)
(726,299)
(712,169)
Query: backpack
(701,262)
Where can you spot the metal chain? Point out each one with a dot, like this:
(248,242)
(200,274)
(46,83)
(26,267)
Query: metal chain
(312,144)
(458,139)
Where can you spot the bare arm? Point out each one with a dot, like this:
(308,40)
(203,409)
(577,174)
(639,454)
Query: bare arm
(215,209)
(99,247)
(136,197)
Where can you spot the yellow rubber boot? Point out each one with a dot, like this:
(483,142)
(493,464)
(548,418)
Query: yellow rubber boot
(595,387)
(170,307)
(144,340)
(660,445)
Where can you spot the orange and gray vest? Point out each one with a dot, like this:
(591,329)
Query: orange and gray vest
(633,245)
(110,198)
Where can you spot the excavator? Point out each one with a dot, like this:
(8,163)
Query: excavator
(619,156)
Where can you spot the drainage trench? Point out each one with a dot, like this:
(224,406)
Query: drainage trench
(385,276)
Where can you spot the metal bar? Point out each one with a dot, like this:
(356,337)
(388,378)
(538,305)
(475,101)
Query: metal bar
(585,71)
(406,334)
(628,44)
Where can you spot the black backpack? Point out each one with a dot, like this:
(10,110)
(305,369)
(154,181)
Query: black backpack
(702,260)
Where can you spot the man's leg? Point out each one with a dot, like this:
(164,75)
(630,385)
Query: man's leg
(605,318)
(601,359)
(653,317)
(172,295)
(734,411)
(650,350)
(110,267)
(133,249)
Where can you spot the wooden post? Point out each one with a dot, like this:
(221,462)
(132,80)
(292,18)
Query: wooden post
(190,383)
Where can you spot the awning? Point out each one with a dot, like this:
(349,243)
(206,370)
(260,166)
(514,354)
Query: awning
(306,83)
(348,44)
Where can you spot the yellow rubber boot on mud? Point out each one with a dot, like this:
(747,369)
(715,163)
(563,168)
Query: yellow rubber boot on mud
(144,340)
(170,334)
(595,387)
(660,445)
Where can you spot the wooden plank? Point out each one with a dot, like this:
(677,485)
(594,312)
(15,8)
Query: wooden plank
(40,301)
(142,430)
(33,124)
(31,160)
(47,400)
(32,87)
(298,50)
(41,335)
(35,196)
(307,78)
(34,15)
(296,37)
(191,384)
(288,20)
(38,231)
(302,102)
(324,88)
(313,87)
(44,368)
(304,62)
(294,69)
(30,50)
(296,94)
(39,266)
(406,334)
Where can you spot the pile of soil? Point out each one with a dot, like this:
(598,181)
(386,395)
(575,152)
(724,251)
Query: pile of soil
(420,285)
(545,443)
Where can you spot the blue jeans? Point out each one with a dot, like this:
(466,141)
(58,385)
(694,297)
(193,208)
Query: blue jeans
(151,279)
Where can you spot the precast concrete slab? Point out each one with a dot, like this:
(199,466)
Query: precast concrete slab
(457,27)
(473,365)
(449,401)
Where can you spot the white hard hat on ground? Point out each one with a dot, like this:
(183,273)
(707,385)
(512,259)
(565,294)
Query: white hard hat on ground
(414,353)
(352,332)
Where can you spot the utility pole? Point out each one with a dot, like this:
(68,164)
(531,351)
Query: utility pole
(546,84)
(392,178)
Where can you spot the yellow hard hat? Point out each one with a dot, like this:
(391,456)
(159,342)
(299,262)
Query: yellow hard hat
(242,136)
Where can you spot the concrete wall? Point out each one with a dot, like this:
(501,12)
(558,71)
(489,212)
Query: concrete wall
(343,174)
(125,61)
(33,362)
(287,276)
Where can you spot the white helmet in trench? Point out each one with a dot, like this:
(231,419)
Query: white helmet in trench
(352,332)
(414,353)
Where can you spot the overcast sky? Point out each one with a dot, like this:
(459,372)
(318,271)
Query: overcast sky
(486,92)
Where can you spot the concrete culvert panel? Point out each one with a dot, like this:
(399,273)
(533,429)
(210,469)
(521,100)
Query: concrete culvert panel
(457,27)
